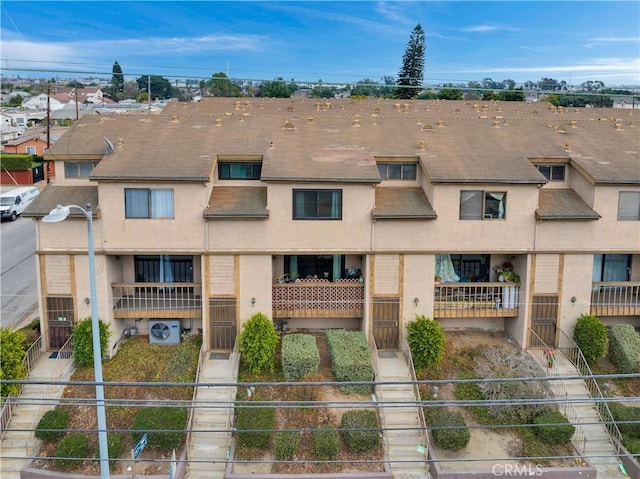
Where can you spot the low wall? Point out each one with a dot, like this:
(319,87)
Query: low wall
(630,462)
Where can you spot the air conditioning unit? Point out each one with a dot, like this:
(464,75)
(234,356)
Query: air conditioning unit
(164,331)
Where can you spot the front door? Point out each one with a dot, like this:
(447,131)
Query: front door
(60,320)
(545,317)
(222,324)
(386,317)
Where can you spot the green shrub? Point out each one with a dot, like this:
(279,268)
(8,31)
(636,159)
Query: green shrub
(52,425)
(15,161)
(350,359)
(628,419)
(83,341)
(164,426)
(632,445)
(449,428)
(72,451)
(590,334)
(255,423)
(300,356)
(624,348)
(366,439)
(327,443)
(553,428)
(426,341)
(286,445)
(258,341)
(12,345)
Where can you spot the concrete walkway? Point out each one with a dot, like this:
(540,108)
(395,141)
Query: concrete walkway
(36,399)
(208,451)
(591,439)
(405,460)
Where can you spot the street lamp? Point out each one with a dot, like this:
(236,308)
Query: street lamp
(60,213)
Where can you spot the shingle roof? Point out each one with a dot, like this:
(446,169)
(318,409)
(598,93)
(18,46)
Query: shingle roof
(237,202)
(54,195)
(402,203)
(338,140)
(563,204)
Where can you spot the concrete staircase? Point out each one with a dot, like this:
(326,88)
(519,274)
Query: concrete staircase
(401,420)
(208,450)
(591,436)
(19,441)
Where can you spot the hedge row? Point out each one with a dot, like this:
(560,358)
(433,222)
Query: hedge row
(360,430)
(628,419)
(164,426)
(300,356)
(449,428)
(254,424)
(52,425)
(553,428)
(624,348)
(16,162)
(327,443)
(350,359)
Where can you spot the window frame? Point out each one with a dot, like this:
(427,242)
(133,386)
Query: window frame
(403,173)
(31,150)
(632,203)
(483,212)
(77,165)
(254,167)
(151,208)
(553,168)
(318,204)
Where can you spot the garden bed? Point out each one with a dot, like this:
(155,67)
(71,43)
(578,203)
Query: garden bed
(318,405)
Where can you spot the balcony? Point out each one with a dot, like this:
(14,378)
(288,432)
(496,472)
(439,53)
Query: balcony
(156,300)
(615,298)
(476,300)
(318,299)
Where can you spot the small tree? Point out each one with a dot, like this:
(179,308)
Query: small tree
(411,73)
(590,334)
(12,346)
(83,341)
(258,341)
(426,341)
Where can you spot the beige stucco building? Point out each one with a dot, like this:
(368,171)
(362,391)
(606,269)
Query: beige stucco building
(325,214)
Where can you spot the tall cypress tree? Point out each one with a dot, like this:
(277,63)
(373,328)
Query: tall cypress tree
(411,73)
(117,79)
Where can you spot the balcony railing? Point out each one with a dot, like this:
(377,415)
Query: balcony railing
(157,300)
(615,298)
(318,300)
(476,300)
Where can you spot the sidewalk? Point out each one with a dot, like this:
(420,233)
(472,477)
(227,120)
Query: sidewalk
(18,442)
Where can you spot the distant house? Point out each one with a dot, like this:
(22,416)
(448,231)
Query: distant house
(32,142)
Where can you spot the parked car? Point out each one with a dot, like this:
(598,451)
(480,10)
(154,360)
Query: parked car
(14,202)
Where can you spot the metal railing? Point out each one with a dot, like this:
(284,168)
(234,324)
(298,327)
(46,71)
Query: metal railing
(546,356)
(31,357)
(573,353)
(406,350)
(472,300)
(620,298)
(159,300)
(378,394)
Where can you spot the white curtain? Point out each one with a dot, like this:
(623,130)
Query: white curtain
(500,198)
(444,269)
(162,203)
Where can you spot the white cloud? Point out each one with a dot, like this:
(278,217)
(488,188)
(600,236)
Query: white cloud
(488,28)
(606,40)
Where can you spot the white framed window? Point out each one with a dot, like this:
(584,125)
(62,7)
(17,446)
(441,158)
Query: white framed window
(483,205)
(629,206)
(148,203)
(31,150)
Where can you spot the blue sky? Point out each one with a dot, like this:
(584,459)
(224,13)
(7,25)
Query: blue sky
(332,41)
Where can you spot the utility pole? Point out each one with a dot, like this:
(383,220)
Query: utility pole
(48,114)
(149,91)
(77,105)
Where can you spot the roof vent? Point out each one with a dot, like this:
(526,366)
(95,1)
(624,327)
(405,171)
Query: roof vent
(397,106)
(534,112)
(457,110)
(496,123)
(356,122)
(618,126)
(218,121)
(288,125)
(561,129)
(427,127)
(421,144)
(567,147)
(174,119)
(573,123)
(311,120)
(376,110)
(272,145)
(440,123)
(375,119)
(405,106)
(290,108)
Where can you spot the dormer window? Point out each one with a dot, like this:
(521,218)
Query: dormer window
(552,172)
(397,171)
(239,170)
